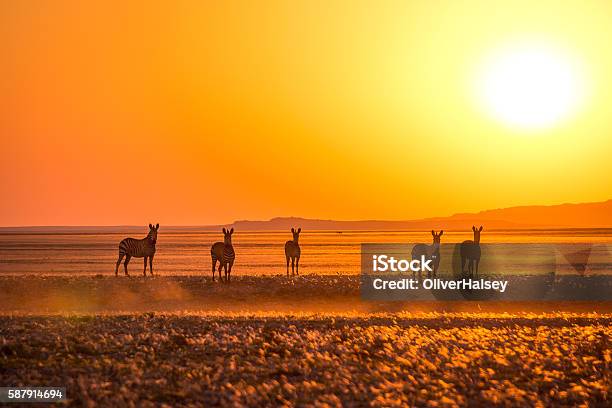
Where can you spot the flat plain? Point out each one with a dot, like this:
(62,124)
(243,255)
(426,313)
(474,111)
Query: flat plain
(178,339)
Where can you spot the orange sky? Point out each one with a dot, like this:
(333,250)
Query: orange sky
(205,112)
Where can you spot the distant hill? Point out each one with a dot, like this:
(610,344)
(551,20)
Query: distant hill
(585,215)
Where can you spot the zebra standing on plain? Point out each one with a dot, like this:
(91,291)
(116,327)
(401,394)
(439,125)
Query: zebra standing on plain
(470,254)
(429,252)
(224,253)
(138,248)
(292,251)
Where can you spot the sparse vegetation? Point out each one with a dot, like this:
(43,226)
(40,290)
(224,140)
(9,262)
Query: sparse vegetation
(378,360)
(304,341)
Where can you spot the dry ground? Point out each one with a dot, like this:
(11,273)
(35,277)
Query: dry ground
(309,293)
(265,341)
(377,360)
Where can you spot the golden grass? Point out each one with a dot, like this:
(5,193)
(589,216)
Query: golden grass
(262,359)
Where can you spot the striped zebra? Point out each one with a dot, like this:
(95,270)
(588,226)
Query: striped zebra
(470,254)
(138,248)
(429,252)
(224,253)
(292,251)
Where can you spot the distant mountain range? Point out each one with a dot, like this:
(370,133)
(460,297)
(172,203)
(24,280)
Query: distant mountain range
(584,215)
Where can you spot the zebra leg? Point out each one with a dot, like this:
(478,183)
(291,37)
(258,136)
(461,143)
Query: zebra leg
(214,263)
(292,266)
(220,268)
(125,264)
(229,271)
(287,266)
(225,271)
(297,262)
(121,255)
(432,273)
(476,262)
(144,272)
(151,265)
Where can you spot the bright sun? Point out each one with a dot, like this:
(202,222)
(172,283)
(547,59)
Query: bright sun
(530,87)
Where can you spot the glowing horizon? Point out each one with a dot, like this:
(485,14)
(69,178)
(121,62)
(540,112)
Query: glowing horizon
(192,113)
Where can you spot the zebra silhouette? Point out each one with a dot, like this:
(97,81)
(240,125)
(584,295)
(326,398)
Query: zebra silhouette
(470,254)
(292,251)
(224,253)
(430,252)
(138,248)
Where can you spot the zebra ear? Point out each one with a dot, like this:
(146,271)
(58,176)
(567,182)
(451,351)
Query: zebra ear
(480,229)
(231,231)
(433,233)
(473,228)
(157,226)
(223,231)
(150,226)
(293,230)
(299,230)
(441,232)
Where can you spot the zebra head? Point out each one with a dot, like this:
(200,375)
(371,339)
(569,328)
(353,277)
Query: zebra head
(436,239)
(152,237)
(227,236)
(296,234)
(477,232)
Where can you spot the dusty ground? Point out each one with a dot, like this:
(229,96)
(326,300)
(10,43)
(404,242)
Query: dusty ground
(263,360)
(310,293)
(265,341)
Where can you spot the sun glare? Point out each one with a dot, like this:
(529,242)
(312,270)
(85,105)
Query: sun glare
(530,87)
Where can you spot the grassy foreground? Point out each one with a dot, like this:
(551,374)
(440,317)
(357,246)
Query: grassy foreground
(351,359)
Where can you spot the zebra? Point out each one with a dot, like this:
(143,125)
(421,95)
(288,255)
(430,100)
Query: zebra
(430,252)
(292,251)
(470,254)
(138,248)
(224,253)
